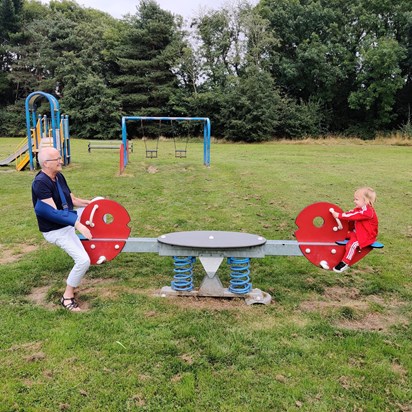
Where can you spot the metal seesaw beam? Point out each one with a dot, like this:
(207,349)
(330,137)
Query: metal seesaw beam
(270,248)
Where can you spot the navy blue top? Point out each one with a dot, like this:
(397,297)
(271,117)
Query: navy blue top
(44,187)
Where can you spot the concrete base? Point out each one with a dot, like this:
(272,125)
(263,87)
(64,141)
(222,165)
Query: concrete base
(253,297)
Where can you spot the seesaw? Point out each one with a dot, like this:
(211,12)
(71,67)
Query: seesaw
(319,237)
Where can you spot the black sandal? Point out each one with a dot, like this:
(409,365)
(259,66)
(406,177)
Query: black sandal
(69,306)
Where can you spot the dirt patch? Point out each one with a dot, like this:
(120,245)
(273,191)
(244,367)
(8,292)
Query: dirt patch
(336,297)
(8,255)
(339,293)
(105,288)
(374,322)
(200,303)
(28,346)
(111,289)
(35,357)
(399,370)
(372,313)
(152,169)
(38,296)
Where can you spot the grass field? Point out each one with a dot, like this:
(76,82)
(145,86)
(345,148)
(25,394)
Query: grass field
(327,342)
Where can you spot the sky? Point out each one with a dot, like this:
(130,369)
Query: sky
(186,8)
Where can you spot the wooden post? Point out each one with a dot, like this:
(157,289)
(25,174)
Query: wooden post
(121,159)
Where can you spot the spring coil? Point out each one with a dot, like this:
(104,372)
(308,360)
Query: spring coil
(239,275)
(183,273)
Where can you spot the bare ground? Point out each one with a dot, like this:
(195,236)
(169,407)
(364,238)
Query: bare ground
(110,289)
(8,255)
(370,313)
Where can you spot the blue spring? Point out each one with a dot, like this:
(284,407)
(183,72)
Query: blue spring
(183,278)
(239,275)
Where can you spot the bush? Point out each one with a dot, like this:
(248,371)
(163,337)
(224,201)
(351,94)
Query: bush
(302,119)
(406,129)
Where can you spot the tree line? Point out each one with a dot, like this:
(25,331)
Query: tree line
(280,69)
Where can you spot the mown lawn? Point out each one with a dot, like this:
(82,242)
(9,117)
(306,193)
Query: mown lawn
(327,342)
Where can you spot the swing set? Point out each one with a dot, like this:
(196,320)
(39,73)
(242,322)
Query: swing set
(164,130)
(170,127)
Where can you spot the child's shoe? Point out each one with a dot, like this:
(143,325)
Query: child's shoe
(341,267)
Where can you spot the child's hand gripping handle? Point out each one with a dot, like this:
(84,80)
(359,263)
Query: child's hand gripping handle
(334,214)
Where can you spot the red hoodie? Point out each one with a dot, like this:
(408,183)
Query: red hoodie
(366,224)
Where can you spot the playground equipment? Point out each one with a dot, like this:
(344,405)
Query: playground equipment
(319,238)
(41,131)
(44,131)
(152,152)
(20,150)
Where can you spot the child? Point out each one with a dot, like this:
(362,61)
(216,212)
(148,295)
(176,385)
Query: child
(363,225)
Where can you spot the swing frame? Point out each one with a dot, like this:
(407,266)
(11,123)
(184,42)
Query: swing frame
(204,120)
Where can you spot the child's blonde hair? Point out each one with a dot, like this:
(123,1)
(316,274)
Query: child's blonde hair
(368,194)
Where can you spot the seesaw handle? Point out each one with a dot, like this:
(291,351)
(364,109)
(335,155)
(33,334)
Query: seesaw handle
(90,222)
(339,223)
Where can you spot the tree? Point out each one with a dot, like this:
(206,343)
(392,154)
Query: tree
(9,17)
(216,35)
(378,80)
(228,39)
(251,109)
(324,55)
(61,52)
(259,39)
(144,60)
(310,59)
(92,106)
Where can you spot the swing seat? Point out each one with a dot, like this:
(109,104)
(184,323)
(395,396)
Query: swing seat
(151,154)
(180,153)
(374,245)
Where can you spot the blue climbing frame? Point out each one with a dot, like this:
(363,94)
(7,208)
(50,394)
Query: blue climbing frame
(60,138)
(206,132)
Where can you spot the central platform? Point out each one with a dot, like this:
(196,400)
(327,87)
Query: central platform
(212,239)
(212,247)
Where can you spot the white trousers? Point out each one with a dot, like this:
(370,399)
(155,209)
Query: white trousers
(66,239)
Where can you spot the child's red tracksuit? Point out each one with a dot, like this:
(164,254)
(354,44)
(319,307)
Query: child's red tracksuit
(364,231)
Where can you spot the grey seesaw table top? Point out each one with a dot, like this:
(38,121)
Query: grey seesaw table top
(212,239)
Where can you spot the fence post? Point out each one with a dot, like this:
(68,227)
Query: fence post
(121,159)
